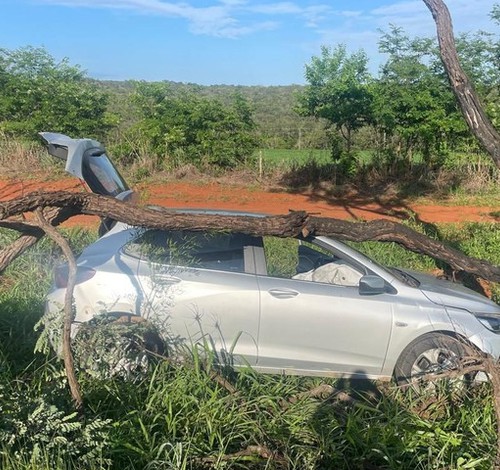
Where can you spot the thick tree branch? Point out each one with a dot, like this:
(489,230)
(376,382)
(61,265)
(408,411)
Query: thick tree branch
(160,218)
(68,306)
(290,225)
(468,100)
(389,231)
(19,246)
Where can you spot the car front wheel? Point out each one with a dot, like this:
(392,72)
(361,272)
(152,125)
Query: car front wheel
(427,358)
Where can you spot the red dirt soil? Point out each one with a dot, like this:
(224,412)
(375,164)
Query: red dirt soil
(238,197)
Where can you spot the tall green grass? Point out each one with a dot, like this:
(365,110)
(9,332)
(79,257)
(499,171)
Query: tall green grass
(188,415)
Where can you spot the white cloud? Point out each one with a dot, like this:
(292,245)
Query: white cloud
(360,29)
(416,19)
(225,18)
(315,15)
(236,18)
(282,8)
(350,13)
(232,29)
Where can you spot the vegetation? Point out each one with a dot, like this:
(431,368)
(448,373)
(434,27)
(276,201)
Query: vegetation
(40,94)
(339,91)
(405,119)
(180,127)
(190,415)
(468,100)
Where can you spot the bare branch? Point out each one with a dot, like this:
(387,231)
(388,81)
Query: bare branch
(322,391)
(31,234)
(476,362)
(68,306)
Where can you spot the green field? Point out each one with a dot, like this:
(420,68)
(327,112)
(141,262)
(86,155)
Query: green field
(288,157)
(296,157)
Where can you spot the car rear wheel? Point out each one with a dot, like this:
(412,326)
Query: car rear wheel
(111,347)
(432,355)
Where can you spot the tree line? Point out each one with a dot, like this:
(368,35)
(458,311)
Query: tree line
(407,109)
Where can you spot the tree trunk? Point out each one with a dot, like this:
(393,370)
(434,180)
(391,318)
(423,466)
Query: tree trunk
(468,100)
(290,225)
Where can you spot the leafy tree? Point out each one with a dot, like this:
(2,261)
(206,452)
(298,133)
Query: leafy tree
(338,90)
(493,101)
(480,58)
(413,99)
(180,125)
(39,93)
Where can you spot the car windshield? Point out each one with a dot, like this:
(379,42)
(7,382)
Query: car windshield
(399,274)
(404,277)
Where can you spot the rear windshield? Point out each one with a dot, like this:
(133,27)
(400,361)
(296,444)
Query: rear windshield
(101,175)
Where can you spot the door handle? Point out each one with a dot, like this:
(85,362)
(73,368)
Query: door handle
(283,293)
(166,279)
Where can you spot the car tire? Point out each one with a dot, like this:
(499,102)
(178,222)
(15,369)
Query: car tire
(431,354)
(111,348)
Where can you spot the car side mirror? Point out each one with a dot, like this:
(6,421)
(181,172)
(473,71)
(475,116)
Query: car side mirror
(371,285)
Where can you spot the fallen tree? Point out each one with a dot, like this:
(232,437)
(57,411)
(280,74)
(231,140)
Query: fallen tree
(59,206)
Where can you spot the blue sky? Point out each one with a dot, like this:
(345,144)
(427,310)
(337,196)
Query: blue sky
(209,42)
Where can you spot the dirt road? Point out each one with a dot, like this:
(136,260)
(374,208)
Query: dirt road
(236,197)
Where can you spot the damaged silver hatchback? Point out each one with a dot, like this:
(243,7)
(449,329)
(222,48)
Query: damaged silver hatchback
(308,306)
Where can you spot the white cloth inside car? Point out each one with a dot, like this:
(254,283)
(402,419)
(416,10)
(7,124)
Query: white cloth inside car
(337,273)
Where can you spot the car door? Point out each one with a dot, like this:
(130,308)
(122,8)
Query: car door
(197,288)
(317,327)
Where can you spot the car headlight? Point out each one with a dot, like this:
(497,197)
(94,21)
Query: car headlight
(492,322)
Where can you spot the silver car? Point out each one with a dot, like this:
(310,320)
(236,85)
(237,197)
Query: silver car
(311,306)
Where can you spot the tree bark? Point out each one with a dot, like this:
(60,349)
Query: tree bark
(468,100)
(69,364)
(290,225)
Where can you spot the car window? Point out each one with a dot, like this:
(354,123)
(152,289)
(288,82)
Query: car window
(306,261)
(208,250)
(101,175)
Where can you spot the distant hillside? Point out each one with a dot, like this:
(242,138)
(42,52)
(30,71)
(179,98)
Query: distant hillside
(273,110)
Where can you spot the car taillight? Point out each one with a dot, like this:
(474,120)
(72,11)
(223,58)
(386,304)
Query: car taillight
(82,275)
